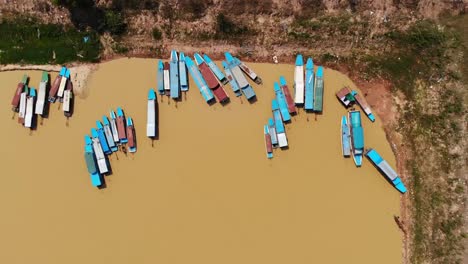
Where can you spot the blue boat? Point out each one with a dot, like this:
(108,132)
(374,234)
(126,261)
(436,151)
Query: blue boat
(318,90)
(268,144)
(215,69)
(108,133)
(160,78)
(385,169)
(234,86)
(272,131)
(199,81)
(309,85)
(91,162)
(357,136)
(121,126)
(183,73)
(345,146)
(174,75)
(283,105)
(244,85)
(246,69)
(102,138)
(280,130)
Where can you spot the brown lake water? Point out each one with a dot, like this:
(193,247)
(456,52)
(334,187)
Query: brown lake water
(204,193)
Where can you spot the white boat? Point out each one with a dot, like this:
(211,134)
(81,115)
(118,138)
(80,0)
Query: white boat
(22,108)
(151,116)
(41,95)
(299,81)
(63,84)
(100,157)
(167,79)
(67,94)
(28,119)
(113,125)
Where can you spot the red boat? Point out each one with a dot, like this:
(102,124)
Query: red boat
(16,98)
(131,136)
(54,89)
(287,95)
(211,79)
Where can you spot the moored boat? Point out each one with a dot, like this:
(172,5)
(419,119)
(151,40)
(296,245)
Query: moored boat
(247,70)
(91,162)
(309,85)
(199,81)
(299,81)
(121,126)
(17,96)
(29,116)
(100,157)
(174,75)
(280,130)
(364,105)
(215,69)
(345,144)
(167,79)
(55,85)
(22,105)
(151,115)
(345,96)
(102,138)
(113,125)
(108,133)
(244,85)
(272,132)
(318,90)
(67,106)
(41,95)
(283,105)
(386,169)
(234,86)
(211,79)
(268,144)
(287,95)
(63,84)
(183,73)
(357,136)
(160,78)
(131,136)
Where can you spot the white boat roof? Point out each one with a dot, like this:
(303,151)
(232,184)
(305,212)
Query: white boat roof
(299,85)
(29,112)
(151,119)
(282,140)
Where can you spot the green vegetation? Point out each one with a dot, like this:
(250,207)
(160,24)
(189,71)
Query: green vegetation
(114,22)
(157,34)
(25,41)
(226,29)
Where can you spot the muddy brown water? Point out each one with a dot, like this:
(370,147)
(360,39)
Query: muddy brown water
(204,193)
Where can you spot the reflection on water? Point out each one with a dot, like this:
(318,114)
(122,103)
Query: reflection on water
(204,193)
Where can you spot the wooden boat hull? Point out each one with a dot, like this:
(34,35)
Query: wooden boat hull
(287,95)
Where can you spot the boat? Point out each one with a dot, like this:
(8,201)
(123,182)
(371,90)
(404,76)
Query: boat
(102,138)
(309,85)
(272,132)
(345,146)
(247,70)
(55,85)
(109,135)
(183,73)
(237,74)
(67,106)
(131,136)
(100,157)
(17,96)
(63,84)
(160,78)
(151,115)
(215,69)
(167,79)
(385,169)
(287,95)
(41,95)
(199,81)
(121,126)
(318,90)
(280,130)
(357,136)
(364,105)
(211,79)
(299,81)
(91,162)
(174,75)
(234,86)
(29,116)
(22,105)
(283,105)
(113,125)
(268,144)
(345,96)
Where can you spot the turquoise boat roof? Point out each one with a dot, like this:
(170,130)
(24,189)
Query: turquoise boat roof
(45,76)
(228,56)
(399,185)
(299,60)
(374,156)
(283,81)
(266,130)
(225,65)
(67,74)
(206,58)
(32,92)
(99,124)
(181,56)
(90,163)
(88,140)
(96,179)
(355,119)
(120,111)
(188,61)
(151,94)
(310,64)
(94,133)
(112,114)
(174,56)
(319,72)
(25,79)
(129,121)
(274,104)
(358,137)
(160,65)
(62,71)
(343,120)
(105,120)
(276,87)
(198,58)
(270,121)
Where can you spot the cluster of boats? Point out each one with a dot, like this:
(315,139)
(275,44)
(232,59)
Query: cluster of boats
(29,102)
(309,88)
(105,139)
(172,77)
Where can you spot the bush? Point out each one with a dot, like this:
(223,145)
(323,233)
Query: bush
(114,22)
(157,34)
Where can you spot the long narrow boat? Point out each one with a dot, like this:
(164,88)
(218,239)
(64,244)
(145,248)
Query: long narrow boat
(272,132)
(167,79)
(151,115)
(345,96)
(318,90)
(16,97)
(55,85)
(247,70)
(199,81)
(268,144)
(184,86)
(174,75)
(287,95)
(22,105)
(63,84)
(234,86)
(121,126)
(91,162)
(364,105)
(215,69)
(345,146)
(386,169)
(211,79)
(29,117)
(299,81)
(280,130)
(68,100)
(283,105)
(113,123)
(41,95)
(244,85)
(102,138)
(100,157)
(309,85)
(109,136)
(160,78)
(131,136)
(357,136)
